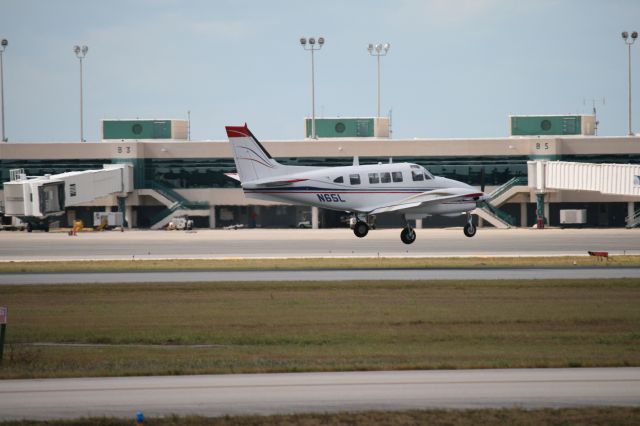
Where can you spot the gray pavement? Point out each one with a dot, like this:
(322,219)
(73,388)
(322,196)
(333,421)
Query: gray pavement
(218,395)
(313,243)
(320,275)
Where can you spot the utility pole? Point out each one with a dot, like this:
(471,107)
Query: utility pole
(81,52)
(311,46)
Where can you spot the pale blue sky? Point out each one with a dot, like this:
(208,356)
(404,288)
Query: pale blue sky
(455,69)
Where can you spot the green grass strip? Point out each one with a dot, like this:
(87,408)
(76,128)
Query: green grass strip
(151,329)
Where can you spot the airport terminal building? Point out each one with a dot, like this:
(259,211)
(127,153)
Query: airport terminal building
(173,175)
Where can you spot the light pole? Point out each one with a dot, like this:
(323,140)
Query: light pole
(378,50)
(3,44)
(81,52)
(311,46)
(625,37)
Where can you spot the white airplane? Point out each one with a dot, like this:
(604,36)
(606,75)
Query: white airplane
(363,190)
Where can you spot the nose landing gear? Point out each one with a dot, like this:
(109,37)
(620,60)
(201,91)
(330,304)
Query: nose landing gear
(408,235)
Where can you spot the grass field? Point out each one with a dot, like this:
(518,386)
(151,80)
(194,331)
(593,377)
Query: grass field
(320,263)
(146,329)
(621,416)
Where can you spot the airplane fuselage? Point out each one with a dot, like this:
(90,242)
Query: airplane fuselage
(362,188)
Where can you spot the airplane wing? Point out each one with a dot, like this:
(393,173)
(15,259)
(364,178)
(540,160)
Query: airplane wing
(429,197)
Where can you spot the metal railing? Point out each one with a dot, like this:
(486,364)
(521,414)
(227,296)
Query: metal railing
(179,202)
(500,214)
(164,213)
(633,220)
(516,181)
(173,195)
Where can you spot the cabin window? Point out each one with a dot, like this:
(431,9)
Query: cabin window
(339,179)
(385,177)
(417,175)
(397,176)
(374,178)
(354,179)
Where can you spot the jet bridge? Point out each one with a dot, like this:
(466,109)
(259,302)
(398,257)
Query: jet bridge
(35,199)
(611,179)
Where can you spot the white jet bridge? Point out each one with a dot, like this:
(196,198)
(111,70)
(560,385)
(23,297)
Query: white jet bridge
(613,179)
(36,199)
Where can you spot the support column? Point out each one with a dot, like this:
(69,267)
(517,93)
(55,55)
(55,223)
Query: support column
(315,223)
(419,223)
(631,211)
(212,217)
(129,216)
(523,215)
(480,222)
(547,216)
(540,210)
(126,213)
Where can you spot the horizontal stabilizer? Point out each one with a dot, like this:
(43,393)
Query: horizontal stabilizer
(273,183)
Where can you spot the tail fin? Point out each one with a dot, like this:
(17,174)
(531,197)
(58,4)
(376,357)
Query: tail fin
(253,161)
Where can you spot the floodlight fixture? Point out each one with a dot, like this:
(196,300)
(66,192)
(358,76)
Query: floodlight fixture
(625,37)
(311,46)
(81,52)
(378,50)
(3,44)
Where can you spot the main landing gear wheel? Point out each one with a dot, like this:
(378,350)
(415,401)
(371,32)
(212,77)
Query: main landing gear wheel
(408,235)
(469,230)
(361,229)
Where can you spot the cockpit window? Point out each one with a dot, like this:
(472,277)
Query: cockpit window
(339,179)
(417,175)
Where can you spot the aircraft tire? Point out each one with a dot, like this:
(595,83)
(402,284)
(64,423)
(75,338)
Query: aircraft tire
(361,229)
(408,236)
(469,230)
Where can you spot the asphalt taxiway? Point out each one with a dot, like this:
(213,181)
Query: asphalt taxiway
(218,395)
(288,243)
(319,275)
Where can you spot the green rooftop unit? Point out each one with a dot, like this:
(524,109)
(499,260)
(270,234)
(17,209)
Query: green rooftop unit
(144,129)
(551,125)
(349,127)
